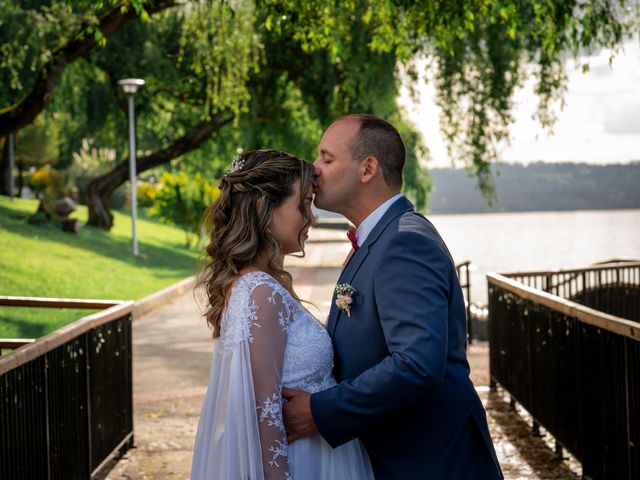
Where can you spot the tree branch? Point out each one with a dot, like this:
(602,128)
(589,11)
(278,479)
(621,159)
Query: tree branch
(100,189)
(18,115)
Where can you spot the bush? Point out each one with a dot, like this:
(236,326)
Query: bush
(146,194)
(181,200)
(47,180)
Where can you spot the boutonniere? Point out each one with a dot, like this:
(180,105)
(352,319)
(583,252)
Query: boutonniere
(344,297)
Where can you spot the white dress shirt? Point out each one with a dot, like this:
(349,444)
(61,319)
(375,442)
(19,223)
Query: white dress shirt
(372,220)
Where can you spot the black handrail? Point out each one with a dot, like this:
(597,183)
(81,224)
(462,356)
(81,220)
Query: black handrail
(610,288)
(464,277)
(575,369)
(66,400)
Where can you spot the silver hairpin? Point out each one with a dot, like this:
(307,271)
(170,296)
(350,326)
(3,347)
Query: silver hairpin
(237,164)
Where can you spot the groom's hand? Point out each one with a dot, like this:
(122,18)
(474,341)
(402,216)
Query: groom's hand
(298,420)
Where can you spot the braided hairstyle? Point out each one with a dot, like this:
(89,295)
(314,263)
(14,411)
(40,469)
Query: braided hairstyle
(258,183)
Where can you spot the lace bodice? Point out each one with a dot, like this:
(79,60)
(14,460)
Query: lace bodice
(288,347)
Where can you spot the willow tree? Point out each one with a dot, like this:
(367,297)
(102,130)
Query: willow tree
(477,53)
(40,39)
(44,38)
(196,60)
(275,72)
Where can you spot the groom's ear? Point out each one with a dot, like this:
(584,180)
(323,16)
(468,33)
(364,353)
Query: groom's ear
(369,168)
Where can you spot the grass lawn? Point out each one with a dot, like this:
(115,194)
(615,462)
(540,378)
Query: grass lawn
(44,261)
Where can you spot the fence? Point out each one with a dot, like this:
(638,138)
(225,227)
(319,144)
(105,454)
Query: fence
(575,369)
(464,277)
(66,399)
(611,287)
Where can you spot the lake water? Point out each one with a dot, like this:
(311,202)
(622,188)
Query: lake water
(505,242)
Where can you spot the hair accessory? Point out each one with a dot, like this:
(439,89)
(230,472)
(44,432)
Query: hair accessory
(237,164)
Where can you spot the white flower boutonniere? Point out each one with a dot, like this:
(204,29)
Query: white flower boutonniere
(344,297)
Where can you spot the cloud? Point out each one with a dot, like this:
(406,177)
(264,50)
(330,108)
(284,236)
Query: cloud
(599,124)
(624,121)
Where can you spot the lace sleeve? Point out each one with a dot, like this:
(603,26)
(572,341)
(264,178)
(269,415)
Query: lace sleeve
(269,339)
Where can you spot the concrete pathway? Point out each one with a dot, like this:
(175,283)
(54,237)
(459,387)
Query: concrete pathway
(171,356)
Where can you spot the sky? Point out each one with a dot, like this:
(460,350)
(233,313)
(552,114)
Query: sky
(599,124)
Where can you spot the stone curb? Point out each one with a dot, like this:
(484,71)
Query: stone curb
(159,298)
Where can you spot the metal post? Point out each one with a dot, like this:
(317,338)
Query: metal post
(535,430)
(132,175)
(12,164)
(559,453)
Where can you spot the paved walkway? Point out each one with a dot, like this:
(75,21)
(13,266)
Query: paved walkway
(171,356)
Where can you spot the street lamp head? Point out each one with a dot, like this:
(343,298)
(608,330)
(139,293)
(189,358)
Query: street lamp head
(130,85)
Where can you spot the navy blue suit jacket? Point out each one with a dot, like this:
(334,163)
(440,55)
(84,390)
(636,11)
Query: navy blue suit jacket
(401,359)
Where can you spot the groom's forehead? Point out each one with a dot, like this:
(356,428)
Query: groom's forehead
(339,132)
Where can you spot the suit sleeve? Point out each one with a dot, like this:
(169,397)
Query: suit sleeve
(411,288)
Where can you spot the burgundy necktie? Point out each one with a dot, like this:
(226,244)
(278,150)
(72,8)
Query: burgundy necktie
(351,235)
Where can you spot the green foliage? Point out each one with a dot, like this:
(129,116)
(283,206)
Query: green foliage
(181,200)
(477,52)
(323,54)
(146,194)
(88,163)
(286,68)
(47,180)
(31,32)
(37,144)
(195,58)
(86,112)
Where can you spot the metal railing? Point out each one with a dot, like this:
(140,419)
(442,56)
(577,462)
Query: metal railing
(464,277)
(66,400)
(576,370)
(611,287)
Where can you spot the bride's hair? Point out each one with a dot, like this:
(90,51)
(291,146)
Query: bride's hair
(258,183)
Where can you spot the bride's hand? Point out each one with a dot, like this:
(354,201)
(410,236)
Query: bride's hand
(298,420)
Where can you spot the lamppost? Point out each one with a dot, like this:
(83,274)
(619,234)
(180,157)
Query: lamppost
(130,87)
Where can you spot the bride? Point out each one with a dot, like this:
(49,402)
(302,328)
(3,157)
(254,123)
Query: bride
(264,338)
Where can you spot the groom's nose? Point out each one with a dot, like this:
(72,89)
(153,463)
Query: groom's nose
(316,171)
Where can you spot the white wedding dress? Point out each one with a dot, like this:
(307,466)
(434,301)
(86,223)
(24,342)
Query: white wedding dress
(268,341)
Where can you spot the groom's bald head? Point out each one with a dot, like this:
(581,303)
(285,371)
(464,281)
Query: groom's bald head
(378,138)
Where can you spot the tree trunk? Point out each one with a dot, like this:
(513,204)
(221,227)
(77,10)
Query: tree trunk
(99,193)
(20,180)
(4,166)
(101,188)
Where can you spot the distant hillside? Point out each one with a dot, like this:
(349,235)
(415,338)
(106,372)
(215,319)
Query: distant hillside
(540,187)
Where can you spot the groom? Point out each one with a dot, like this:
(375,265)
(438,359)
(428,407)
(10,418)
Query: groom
(400,352)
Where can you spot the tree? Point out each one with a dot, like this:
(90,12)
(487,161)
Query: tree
(76,27)
(270,66)
(282,104)
(36,146)
(196,61)
(478,52)
(65,30)
(181,200)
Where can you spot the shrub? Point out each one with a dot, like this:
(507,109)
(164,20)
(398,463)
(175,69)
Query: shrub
(146,194)
(181,200)
(47,180)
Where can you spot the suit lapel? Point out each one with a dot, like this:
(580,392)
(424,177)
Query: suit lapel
(398,207)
